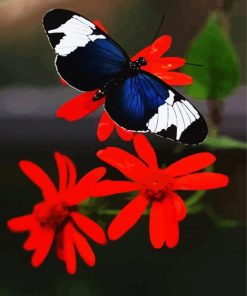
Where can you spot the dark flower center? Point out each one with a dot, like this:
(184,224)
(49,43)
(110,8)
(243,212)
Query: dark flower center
(52,215)
(157,190)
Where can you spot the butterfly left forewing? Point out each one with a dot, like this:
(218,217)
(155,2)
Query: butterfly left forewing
(86,57)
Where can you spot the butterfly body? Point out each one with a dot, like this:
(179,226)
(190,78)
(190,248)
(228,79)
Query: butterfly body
(132,68)
(88,59)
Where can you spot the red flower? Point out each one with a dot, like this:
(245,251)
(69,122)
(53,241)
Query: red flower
(106,126)
(155,186)
(83,104)
(162,66)
(56,218)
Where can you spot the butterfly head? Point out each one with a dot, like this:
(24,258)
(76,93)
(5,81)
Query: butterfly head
(142,61)
(136,65)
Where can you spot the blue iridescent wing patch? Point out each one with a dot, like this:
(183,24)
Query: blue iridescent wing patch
(142,102)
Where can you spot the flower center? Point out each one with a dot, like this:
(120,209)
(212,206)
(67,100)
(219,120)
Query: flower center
(51,215)
(157,190)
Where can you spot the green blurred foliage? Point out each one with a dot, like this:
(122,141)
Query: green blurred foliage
(4,291)
(224,142)
(220,73)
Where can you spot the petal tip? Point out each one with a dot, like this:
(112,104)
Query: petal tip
(157,246)
(100,152)
(23,163)
(112,235)
(101,137)
(11,225)
(91,264)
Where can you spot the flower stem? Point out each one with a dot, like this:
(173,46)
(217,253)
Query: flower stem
(195,198)
(218,221)
(114,212)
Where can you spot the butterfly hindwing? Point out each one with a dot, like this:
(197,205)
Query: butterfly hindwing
(142,102)
(86,57)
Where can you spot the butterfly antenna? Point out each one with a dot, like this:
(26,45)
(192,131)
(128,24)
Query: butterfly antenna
(160,24)
(191,64)
(157,32)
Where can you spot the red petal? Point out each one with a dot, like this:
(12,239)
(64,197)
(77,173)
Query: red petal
(90,228)
(99,25)
(156,49)
(190,164)
(157,225)
(63,82)
(201,181)
(72,175)
(172,237)
(79,106)
(171,225)
(23,223)
(160,46)
(174,78)
(124,134)
(145,150)
(179,206)
(39,178)
(83,248)
(32,241)
(105,127)
(91,178)
(45,242)
(62,171)
(35,238)
(86,185)
(60,245)
(162,65)
(108,187)
(142,53)
(126,163)
(171,63)
(69,249)
(128,217)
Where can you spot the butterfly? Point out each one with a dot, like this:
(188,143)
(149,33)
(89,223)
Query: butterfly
(87,58)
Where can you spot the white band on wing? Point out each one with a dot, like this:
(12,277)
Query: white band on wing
(78,33)
(181,114)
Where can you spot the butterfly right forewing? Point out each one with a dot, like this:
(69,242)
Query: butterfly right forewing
(142,102)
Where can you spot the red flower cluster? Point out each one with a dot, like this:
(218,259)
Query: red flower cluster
(56,218)
(155,186)
(82,105)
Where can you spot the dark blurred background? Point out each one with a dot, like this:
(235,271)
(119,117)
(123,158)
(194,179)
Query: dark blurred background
(208,260)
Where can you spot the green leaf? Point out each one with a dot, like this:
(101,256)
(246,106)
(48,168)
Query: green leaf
(224,142)
(220,73)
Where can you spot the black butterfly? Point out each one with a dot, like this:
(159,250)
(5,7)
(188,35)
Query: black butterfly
(88,59)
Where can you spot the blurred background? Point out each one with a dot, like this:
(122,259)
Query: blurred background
(210,258)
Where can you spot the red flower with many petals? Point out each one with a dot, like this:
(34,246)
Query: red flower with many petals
(56,218)
(162,67)
(156,186)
